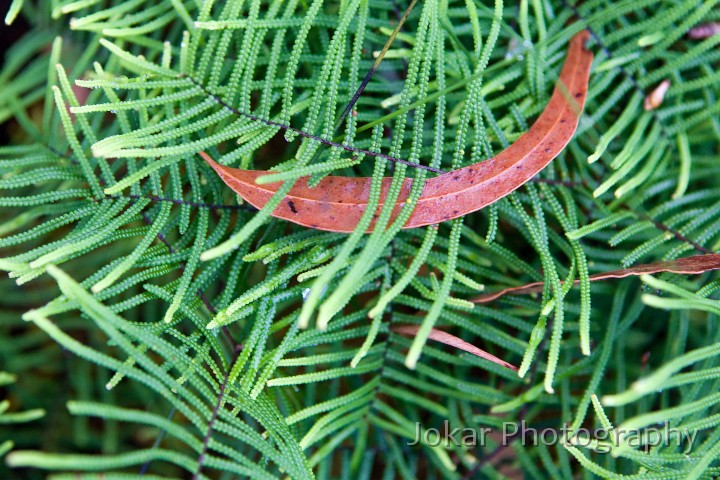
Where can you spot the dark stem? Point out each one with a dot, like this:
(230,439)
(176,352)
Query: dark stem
(379,59)
(156,443)
(199,293)
(521,415)
(310,136)
(674,233)
(213,417)
(210,206)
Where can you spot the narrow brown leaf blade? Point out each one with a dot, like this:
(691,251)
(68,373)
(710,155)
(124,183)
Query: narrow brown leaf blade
(706,30)
(453,341)
(337,203)
(688,266)
(655,98)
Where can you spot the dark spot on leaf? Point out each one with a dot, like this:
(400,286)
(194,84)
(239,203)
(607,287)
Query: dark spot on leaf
(292,206)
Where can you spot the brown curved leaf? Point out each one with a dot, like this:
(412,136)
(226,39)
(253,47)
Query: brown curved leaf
(337,203)
(689,266)
(453,341)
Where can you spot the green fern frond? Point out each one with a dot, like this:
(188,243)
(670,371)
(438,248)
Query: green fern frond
(171,331)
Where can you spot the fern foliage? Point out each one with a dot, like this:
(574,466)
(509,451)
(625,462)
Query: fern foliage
(171,331)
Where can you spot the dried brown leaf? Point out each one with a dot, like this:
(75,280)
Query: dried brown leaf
(655,98)
(337,203)
(453,341)
(688,266)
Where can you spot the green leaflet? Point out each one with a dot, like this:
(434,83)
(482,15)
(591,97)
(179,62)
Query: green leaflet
(153,326)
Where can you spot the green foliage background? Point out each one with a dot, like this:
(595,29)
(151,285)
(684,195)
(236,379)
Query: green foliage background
(151,324)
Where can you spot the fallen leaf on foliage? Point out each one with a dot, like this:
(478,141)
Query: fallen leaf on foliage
(336,204)
(453,341)
(689,266)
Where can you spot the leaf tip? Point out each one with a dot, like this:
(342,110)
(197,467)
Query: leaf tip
(411,362)
(209,255)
